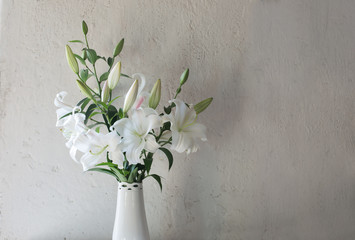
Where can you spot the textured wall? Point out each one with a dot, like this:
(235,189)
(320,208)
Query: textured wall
(279,163)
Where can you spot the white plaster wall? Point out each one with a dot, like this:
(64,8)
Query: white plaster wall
(279,163)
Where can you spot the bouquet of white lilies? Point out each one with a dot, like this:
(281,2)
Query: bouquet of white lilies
(121,141)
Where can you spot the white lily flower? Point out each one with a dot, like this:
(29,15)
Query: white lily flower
(135,133)
(95,147)
(63,108)
(185,130)
(71,126)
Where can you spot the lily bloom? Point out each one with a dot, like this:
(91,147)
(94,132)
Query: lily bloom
(96,146)
(135,133)
(185,130)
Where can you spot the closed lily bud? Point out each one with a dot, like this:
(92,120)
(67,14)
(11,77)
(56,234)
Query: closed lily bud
(184,77)
(73,63)
(105,93)
(201,106)
(84,89)
(130,96)
(114,76)
(154,98)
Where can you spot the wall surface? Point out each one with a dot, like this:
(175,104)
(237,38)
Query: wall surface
(280,160)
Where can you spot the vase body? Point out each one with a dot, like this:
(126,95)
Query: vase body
(130,221)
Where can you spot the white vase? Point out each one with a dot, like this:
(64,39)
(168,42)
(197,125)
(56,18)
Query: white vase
(130,221)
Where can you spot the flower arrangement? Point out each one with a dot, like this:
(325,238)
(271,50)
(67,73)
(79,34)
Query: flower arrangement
(121,141)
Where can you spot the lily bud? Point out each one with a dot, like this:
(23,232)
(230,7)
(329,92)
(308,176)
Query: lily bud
(154,98)
(105,93)
(114,76)
(84,89)
(201,106)
(184,77)
(130,96)
(73,63)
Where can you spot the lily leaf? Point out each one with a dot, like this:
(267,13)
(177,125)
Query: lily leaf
(120,176)
(125,75)
(92,56)
(109,103)
(76,41)
(133,175)
(112,114)
(102,170)
(168,155)
(84,74)
(110,61)
(110,164)
(80,59)
(104,76)
(86,102)
(81,101)
(90,109)
(66,115)
(158,179)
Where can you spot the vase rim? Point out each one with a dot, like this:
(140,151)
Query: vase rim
(130,186)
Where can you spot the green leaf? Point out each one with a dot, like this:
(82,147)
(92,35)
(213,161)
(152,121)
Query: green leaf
(118,48)
(85,103)
(90,109)
(120,176)
(81,101)
(97,129)
(103,105)
(132,176)
(92,56)
(167,110)
(166,126)
(112,114)
(65,115)
(104,76)
(84,74)
(102,170)
(84,56)
(85,28)
(125,75)
(168,155)
(158,179)
(93,114)
(110,61)
(109,103)
(80,59)
(110,164)
(140,177)
(76,41)
(148,163)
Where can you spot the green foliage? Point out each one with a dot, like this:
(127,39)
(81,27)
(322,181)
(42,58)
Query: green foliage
(102,170)
(92,56)
(76,41)
(118,48)
(158,179)
(168,155)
